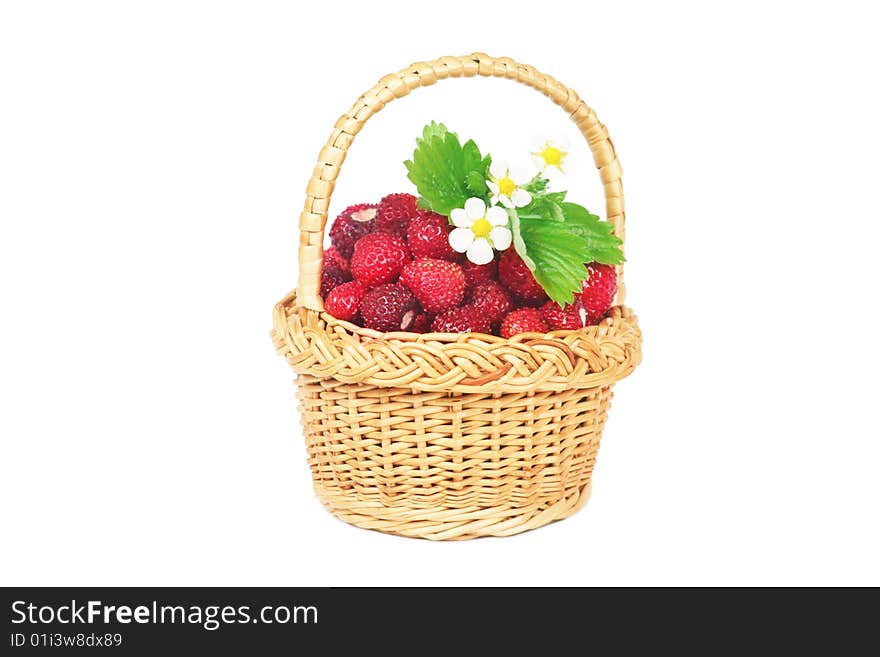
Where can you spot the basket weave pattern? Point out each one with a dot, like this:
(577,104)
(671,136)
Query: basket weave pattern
(450,436)
(440,465)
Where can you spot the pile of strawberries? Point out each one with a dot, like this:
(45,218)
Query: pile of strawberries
(391,269)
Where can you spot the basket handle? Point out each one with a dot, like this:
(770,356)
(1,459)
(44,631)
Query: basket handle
(314,216)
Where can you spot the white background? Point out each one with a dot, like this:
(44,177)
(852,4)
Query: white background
(153,161)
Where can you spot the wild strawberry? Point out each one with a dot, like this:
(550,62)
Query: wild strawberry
(476,275)
(597,292)
(572,316)
(331,277)
(461,320)
(334,257)
(524,320)
(354,222)
(343,301)
(491,300)
(422,323)
(437,284)
(517,277)
(394,214)
(378,258)
(428,237)
(389,307)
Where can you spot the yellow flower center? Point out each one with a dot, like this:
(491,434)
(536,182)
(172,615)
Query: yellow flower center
(552,155)
(506,186)
(482,228)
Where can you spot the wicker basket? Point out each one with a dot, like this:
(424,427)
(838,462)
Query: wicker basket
(450,436)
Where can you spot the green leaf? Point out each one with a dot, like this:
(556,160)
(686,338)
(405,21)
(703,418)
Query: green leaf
(476,183)
(518,244)
(536,185)
(545,206)
(555,256)
(604,246)
(554,197)
(445,172)
(434,129)
(557,239)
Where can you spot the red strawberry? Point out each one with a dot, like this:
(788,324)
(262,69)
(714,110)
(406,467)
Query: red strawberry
(343,301)
(437,284)
(461,320)
(518,278)
(331,277)
(572,316)
(491,300)
(378,258)
(354,222)
(524,320)
(422,323)
(598,290)
(475,275)
(388,307)
(428,237)
(395,213)
(334,257)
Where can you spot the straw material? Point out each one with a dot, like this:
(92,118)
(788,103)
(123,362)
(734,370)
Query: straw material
(450,436)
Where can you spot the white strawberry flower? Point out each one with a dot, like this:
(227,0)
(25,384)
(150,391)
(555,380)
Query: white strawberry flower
(479,231)
(549,153)
(506,185)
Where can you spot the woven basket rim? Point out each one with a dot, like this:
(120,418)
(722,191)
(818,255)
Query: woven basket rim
(317,343)
(431,336)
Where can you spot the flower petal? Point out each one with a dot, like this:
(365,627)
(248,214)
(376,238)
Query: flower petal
(537,142)
(461,238)
(475,208)
(497,216)
(480,252)
(493,186)
(497,169)
(501,237)
(521,198)
(460,218)
(505,201)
